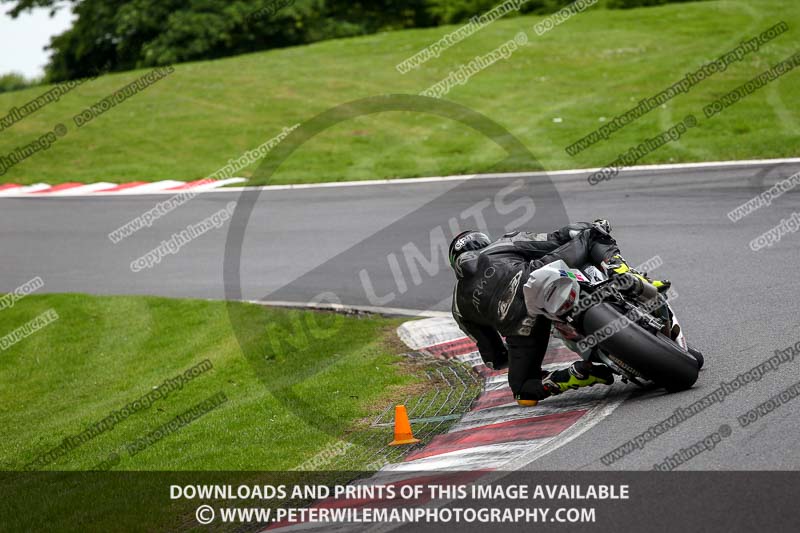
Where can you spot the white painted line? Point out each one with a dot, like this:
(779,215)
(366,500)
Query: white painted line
(148,188)
(488,456)
(602,410)
(215,184)
(24,190)
(430,332)
(393,311)
(84,189)
(507,175)
(580,400)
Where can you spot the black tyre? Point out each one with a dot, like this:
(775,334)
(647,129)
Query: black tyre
(654,356)
(698,355)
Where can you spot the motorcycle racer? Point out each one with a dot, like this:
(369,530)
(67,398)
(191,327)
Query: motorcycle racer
(488,301)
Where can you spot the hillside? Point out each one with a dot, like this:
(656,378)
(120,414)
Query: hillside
(552,91)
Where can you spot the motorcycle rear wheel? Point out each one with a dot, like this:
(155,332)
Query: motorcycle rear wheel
(654,356)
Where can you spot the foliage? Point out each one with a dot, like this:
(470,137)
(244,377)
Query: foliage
(121,35)
(627,4)
(14,82)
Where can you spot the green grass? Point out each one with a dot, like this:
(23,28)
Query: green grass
(302,388)
(105,352)
(597,64)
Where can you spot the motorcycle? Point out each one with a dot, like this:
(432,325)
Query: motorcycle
(615,319)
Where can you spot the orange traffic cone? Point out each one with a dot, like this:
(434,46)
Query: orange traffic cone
(402,428)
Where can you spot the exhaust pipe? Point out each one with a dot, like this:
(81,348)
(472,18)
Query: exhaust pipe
(640,289)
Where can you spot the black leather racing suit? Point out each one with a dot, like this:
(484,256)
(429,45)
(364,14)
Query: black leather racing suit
(488,300)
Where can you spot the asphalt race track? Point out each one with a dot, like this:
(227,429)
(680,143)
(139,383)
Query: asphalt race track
(737,305)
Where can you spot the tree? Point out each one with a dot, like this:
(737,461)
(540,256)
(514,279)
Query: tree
(115,35)
(13,82)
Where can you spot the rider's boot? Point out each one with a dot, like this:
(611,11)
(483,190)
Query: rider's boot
(531,403)
(580,374)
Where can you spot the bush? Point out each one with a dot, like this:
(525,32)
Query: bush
(14,82)
(118,35)
(454,11)
(627,4)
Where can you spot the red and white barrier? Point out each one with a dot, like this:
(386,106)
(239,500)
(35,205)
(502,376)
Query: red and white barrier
(113,189)
(496,431)
(495,435)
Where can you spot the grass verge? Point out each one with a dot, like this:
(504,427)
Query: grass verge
(121,359)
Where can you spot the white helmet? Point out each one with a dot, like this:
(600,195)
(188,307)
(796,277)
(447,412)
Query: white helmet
(551,290)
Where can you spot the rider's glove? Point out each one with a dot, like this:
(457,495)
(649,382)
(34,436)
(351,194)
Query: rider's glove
(618,265)
(536,264)
(662,285)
